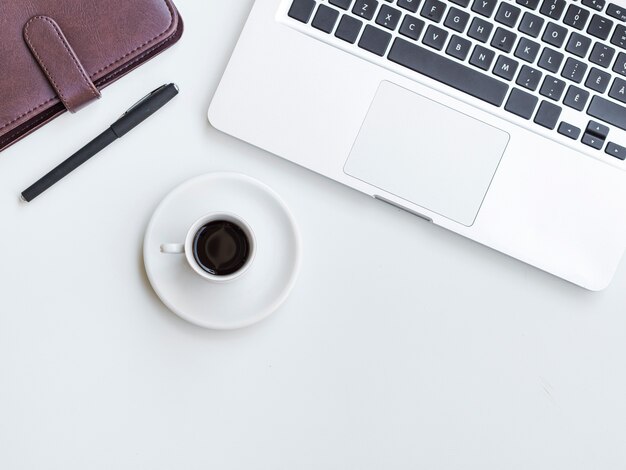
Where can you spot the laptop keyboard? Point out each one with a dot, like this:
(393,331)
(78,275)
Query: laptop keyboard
(539,60)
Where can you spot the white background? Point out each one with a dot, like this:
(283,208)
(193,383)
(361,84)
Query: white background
(402,346)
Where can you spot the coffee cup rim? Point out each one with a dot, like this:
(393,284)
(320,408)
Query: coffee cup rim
(206,219)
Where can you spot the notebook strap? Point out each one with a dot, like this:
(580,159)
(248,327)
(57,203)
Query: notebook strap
(59,63)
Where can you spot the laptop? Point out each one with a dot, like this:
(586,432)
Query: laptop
(503,121)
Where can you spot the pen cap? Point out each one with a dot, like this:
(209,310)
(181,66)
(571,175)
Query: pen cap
(144,109)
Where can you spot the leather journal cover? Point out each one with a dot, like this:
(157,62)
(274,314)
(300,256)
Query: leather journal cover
(56,55)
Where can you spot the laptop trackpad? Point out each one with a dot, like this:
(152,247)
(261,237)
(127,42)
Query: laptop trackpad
(427,153)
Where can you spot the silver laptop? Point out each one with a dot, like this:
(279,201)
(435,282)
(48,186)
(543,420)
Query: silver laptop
(502,121)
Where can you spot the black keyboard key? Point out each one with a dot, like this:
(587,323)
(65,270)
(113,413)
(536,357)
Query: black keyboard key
(597,80)
(608,111)
(343,4)
(527,50)
(482,57)
(449,72)
(349,29)
(462,3)
(433,10)
(458,47)
(574,70)
(532,4)
(552,88)
(554,34)
(503,39)
(529,78)
(456,19)
(592,141)
(435,37)
(597,129)
(616,151)
(365,8)
(619,36)
(620,64)
(618,90)
(553,8)
(325,19)
(569,130)
(521,103)
(411,5)
(411,27)
(484,7)
(601,54)
(576,98)
(576,17)
(548,115)
(597,5)
(600,27)
(550,60)
(578,45)
(374,40)
(480,30)
(302,10)
(388,17)
(616,11)
(507,14)
(505,67)
(531,24)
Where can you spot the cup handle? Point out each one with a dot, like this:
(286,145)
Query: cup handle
(173,248)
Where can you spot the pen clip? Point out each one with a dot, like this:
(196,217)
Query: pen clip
(138,103)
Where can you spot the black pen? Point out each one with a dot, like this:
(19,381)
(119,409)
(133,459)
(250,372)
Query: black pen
(137,114)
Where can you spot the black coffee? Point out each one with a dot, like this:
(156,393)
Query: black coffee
(221,248)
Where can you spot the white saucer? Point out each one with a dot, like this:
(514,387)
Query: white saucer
(245,300)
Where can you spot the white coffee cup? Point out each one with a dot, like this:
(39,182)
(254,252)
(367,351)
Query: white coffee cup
(190,251)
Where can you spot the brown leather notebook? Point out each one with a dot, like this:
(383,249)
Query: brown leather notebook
(56,55)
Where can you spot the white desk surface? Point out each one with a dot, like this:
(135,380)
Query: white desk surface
(402,346)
